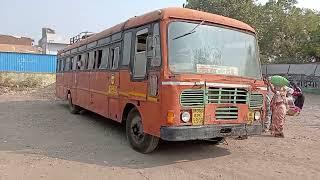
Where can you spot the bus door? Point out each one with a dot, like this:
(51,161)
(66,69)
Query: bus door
(138,84)
(114,82)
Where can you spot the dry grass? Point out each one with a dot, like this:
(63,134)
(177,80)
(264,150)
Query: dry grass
(13,82)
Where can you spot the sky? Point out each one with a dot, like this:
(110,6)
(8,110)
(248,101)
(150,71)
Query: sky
(70,17)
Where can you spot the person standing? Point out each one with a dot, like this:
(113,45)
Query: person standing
(299,96)
(279,110)
(267,122)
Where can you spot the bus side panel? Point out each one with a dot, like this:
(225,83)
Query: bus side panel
(68,76)
(151,117)
(114,96)
(134,92)
(59,85)
(98,90)
(83,93)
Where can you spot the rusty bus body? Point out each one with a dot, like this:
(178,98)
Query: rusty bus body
(174,74)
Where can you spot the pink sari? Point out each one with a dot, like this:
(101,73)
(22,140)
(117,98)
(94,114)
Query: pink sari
(279,111)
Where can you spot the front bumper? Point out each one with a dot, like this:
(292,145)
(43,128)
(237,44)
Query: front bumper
(184,133)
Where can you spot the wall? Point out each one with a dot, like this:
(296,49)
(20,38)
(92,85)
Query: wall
(23,62)
(53,48)
(7,39)
(306,76)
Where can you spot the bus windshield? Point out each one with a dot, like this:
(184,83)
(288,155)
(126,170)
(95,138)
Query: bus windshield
(203,49)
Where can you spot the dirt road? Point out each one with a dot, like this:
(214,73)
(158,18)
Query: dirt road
(40,139)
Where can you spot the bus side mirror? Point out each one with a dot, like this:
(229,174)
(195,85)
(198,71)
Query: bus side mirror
(150,47)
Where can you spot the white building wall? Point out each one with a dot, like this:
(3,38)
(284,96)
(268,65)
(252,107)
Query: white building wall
(54,48)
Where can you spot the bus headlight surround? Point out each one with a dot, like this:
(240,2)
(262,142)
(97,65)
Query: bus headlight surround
(185,116)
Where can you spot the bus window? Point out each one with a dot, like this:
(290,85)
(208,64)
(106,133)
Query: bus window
(104,59)
(62,64)
(83,63)
(156,42)
(79,62)
(58,65)
(91,60)
(74,63)
(126,57)
(99,58)
(140,59)
(115,53)
(67,66)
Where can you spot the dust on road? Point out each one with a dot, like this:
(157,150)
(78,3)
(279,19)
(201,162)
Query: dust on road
(40,139)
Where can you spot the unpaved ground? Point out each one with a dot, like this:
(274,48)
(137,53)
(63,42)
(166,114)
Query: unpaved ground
(39,139)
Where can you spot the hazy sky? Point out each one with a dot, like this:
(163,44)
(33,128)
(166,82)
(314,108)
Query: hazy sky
(69,17)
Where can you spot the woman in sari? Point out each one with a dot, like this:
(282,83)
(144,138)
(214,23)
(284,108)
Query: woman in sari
(279,110)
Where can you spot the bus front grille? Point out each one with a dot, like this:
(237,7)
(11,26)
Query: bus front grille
(227,95)
(192,98)
(256,101)
(226,113)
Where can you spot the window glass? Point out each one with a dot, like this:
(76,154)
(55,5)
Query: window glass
(74,63)
(140,59)
(91,60)
(91,45)
(116,36)
(68,63)
(79,62)
(141,41)
(62,64)
(156,40)
(115,59)
(104,41)
(126,57)
(74,50)
(84,47)
(212,50)
(105,58)
(58,65)
(83,64)
(99,58)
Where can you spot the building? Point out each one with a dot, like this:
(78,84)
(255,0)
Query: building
(51,42)
(7,39)
(10,43)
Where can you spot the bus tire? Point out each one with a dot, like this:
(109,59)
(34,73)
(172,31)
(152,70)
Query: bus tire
(74,109)
(139,141)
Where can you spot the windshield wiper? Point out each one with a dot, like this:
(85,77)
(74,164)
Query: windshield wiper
(191,32)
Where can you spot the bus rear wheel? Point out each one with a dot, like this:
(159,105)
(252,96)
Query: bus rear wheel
(74,109)
(139,141)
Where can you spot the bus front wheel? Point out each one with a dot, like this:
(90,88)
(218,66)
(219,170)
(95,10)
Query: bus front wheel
(139,140)
(74,109)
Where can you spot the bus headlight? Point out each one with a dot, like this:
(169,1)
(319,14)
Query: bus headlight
(257,115)
(185,116)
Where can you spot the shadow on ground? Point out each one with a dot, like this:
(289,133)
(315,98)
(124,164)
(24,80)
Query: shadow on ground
(47,128)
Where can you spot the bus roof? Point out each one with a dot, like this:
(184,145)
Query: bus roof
(162,14)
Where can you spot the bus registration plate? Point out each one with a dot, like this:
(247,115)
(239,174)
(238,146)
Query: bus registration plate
(250,117)
(197,116)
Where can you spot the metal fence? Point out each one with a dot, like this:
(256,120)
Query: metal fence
(29,63)
(306,76)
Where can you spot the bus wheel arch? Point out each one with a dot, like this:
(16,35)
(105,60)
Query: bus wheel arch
(74,109)
(139,141)
(126,111)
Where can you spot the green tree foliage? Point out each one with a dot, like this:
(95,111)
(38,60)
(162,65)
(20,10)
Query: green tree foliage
(287,34)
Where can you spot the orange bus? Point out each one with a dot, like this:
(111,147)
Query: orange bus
(174,74)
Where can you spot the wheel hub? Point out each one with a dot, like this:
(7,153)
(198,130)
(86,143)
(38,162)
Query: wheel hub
(137,130)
